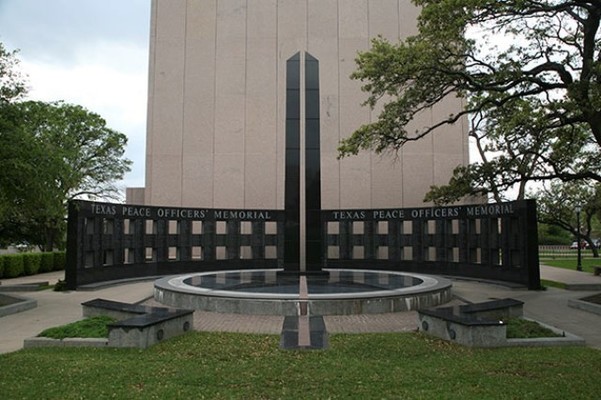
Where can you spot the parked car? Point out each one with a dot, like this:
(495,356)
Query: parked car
(583,245)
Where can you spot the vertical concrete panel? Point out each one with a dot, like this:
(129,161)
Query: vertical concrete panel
(417,177)
(322,43)
(291,38)
(387,182)
(150,132)
(418,172)
(353,23)
(417,162)
(229,181)
(384,19)
(450,145)
(230,84)
(261,105)
(230,110)
(408,14)
(355,171)
(199,110)
(166,103)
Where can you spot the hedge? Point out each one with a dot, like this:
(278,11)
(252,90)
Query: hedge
(47,262)
(14,265)
(32,263)
(60,260)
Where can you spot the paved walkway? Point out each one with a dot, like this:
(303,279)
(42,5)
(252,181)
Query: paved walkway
(550,306)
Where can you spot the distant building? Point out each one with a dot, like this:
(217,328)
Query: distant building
(248,100)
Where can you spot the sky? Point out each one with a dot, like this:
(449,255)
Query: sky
(88,52)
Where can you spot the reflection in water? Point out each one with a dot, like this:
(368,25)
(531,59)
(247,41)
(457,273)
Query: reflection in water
(343,281)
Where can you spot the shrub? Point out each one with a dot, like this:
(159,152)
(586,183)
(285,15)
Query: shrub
(47,262)
(60,260)
(31,263)
(93,327)
(523,328)
(60,286)
(2,266)
(13,266)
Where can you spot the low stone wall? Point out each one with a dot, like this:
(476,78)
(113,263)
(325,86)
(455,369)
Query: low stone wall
(586,305)
(149,329)
(480,325)
(11,304)
(468,331)
(148,326)
(137,326)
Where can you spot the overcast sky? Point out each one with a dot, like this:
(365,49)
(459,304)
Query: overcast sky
(88,52)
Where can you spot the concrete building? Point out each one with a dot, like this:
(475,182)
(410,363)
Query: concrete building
(230,80)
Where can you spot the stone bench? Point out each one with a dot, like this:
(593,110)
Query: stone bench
(475,325)
(447,323)
(139,326)
(494,309)
(116,309)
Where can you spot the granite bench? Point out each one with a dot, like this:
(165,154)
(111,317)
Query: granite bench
(447,323)
(494,309)
(476,325)
(139,326)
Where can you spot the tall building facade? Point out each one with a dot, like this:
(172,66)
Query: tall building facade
(243,93)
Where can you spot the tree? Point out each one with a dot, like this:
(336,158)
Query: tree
(54,152)
(49,153)
(557,204)
(553,235)
(90,152)
(27,171)
(12,88)
(12,83)
(530,71)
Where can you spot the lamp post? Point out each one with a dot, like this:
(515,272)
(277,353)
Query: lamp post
(579,265)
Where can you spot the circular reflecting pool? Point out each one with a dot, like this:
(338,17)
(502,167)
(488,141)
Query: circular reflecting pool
(336,282)
(277,292)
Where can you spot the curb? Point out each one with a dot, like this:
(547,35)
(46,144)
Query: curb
(24,287)
(67,342)
(567,339)
(21,304)
(585,306)
(583,286)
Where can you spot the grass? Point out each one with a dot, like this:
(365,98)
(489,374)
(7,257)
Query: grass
(547,283)
(94,327)
(523,328)
(203,365)
(571,263)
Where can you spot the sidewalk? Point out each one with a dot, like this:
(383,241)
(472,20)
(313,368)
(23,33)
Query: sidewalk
(549,306)
(572,279)
(57,308)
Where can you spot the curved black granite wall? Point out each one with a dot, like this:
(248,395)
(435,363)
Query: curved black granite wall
(115,241)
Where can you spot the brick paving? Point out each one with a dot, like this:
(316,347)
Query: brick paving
(372,323)
(272,324)
(218,322)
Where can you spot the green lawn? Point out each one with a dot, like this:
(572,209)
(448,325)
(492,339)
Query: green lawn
(237,366)
(571,263)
